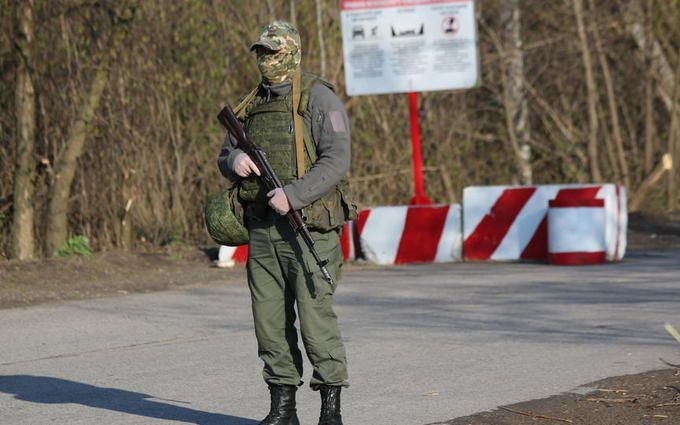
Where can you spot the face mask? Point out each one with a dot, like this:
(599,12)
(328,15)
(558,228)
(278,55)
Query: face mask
(277,67)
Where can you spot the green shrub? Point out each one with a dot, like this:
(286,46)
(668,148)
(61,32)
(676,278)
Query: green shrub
(75,245)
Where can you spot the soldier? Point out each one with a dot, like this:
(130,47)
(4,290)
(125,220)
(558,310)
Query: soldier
(301,124)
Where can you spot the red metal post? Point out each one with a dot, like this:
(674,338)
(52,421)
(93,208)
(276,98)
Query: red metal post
(419,198)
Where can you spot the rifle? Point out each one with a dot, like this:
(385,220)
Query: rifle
(270,180)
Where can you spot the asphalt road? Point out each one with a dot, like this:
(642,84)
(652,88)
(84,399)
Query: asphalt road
(426,343)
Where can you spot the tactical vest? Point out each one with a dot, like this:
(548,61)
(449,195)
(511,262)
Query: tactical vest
(269,125)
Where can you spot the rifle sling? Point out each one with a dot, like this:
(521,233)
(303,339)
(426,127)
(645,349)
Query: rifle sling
(297,125)
(240,109)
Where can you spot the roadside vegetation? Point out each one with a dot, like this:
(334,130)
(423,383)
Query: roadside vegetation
(108,136)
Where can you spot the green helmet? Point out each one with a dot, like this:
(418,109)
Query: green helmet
(224,219)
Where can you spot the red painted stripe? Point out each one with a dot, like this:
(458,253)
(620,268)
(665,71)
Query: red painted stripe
(241,254)
(346,241)
(576,203)
(489,233)
(537,248)
(359,224)
(361,219)
(577,258)
(422,230)
(578,193)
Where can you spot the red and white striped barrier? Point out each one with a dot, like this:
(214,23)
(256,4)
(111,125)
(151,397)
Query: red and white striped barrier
(410,234)
(576,232)
(347,242)
(229,256)
(510,222)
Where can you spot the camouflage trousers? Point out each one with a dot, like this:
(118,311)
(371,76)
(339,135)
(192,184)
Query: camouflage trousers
(283,276)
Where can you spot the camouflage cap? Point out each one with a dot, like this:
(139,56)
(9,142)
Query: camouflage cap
(279,35)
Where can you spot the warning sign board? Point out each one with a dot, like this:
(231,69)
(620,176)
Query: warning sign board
(397,46)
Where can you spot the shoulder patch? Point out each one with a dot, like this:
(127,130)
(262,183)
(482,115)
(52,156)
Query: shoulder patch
(337,121)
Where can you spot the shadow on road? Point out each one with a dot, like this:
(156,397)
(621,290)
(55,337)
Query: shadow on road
(48,390)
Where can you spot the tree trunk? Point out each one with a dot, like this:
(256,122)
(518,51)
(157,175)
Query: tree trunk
(65,165)
(667,86)
(592,94)
(270,9)
(611,98)
(674,148)
(666,165)
(646,42)
(516,110)
(23,237)
(293,14)
(649,125)
(322,45)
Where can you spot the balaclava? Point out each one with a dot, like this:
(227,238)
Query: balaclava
(280,58)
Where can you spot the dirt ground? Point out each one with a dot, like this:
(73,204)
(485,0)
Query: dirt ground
(647,232)
(108,274)
(646,398)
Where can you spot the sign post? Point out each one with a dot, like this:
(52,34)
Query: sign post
(418,182)
(409,46)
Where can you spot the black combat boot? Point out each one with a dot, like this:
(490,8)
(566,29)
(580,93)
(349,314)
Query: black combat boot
(330,405)
(282,411)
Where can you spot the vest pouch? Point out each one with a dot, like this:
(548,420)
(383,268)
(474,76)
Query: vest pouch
(320,214)
(332,210)
(348,207)
(250,189)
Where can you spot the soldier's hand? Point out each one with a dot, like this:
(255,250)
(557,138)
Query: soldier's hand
(279,201)
(243,165)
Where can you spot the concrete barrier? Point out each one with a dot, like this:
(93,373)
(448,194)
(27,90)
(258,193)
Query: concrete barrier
(410,234)
(508,223)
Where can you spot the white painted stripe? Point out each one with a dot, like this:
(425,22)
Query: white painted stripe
(524,227)
(623,222)
(226,252)
(580,229)
(451,241)
(611,218)
(225,256)
(382,233)
(478,201)
(351,228)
